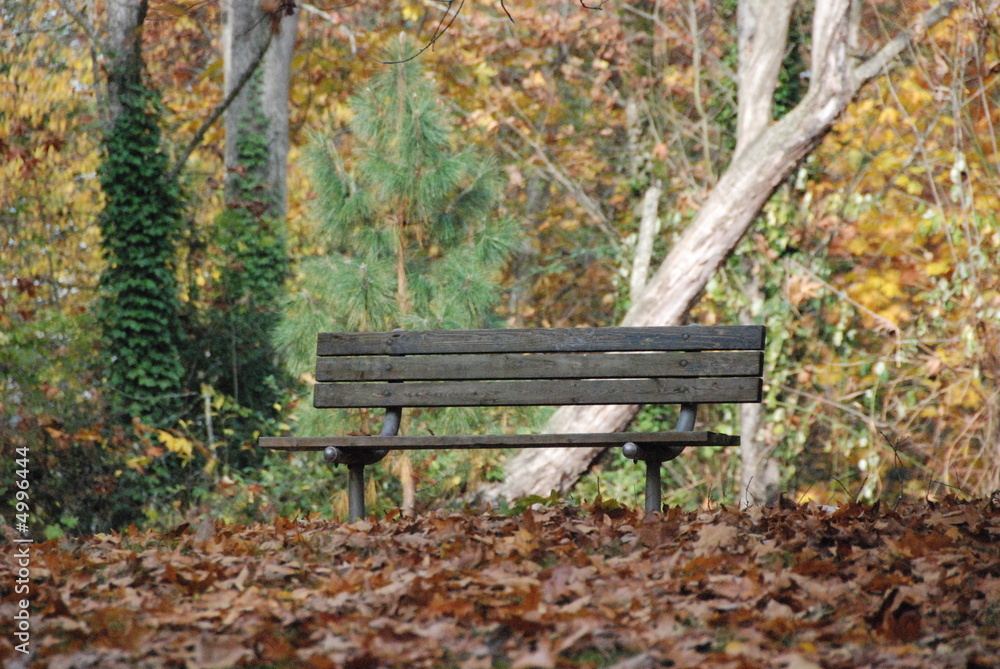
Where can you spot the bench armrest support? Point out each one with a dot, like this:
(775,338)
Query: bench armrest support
(357,458)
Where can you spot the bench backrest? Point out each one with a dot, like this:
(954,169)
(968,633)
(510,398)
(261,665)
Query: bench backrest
(540,367)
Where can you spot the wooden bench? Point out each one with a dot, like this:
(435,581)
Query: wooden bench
(686,365)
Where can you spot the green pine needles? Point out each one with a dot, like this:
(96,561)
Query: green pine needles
(409,223)
(139,306)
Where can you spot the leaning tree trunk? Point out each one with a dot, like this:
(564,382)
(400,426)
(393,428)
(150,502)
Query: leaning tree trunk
(733,204)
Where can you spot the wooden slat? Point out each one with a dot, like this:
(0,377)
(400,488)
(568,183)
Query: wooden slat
(543,340)
(403,442)
(537,393)
(480,367)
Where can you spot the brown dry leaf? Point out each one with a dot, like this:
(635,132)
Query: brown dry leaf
(802,287)
(769,587)
(205,531)
(213,651)
(643,661)
(795,661)
(713,537)
(539,658)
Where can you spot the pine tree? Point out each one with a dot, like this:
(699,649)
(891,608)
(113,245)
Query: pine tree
(410,232)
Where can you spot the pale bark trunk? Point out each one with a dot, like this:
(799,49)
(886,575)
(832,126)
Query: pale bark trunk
(124,51)
(727,213)
(245,34)
(759,473)
(257,50)
(763,35)
(760,476)
(274,100)
(644,240)
(633,131)
(246,31)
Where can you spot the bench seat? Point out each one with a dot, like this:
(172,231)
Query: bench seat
(475,441)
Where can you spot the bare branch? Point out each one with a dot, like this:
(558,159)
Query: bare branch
(589,205)
(312,9)
(82,21)
(336,7)
(877,63)
(439,30)
(504,7)
(884,323)
(219,110)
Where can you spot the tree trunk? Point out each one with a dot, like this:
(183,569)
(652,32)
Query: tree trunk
(274,102)
(257,47)
(245,34)
(760,477)
(763,34)
(124,51)
(644,241)
(139,307)
(762,29)
(261,107)
(726,215)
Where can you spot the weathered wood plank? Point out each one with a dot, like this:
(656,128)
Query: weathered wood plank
(543,340)
(477,441)
(481,367)
(537,393)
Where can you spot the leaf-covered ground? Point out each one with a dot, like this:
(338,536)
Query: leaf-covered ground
(796,586)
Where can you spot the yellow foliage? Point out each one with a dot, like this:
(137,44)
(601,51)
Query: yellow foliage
(910,186)
(914,94)
(910,168)
(890,285)
(897,314)
(965,396)
(937,268)
(342,112)
(678,77)
(48,159)
(535,80)
(184,448)
(829,376)
(412,12)
(138,462)
(484,73)
(889,115)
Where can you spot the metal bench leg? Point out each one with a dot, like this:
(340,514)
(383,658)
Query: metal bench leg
(654,480)
(356,459)
(355,492)
(654,491)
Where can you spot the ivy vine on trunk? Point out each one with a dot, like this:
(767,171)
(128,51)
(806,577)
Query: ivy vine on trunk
(233,342)
(139,304)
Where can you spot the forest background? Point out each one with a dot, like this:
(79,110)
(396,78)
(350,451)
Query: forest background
(873,264)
